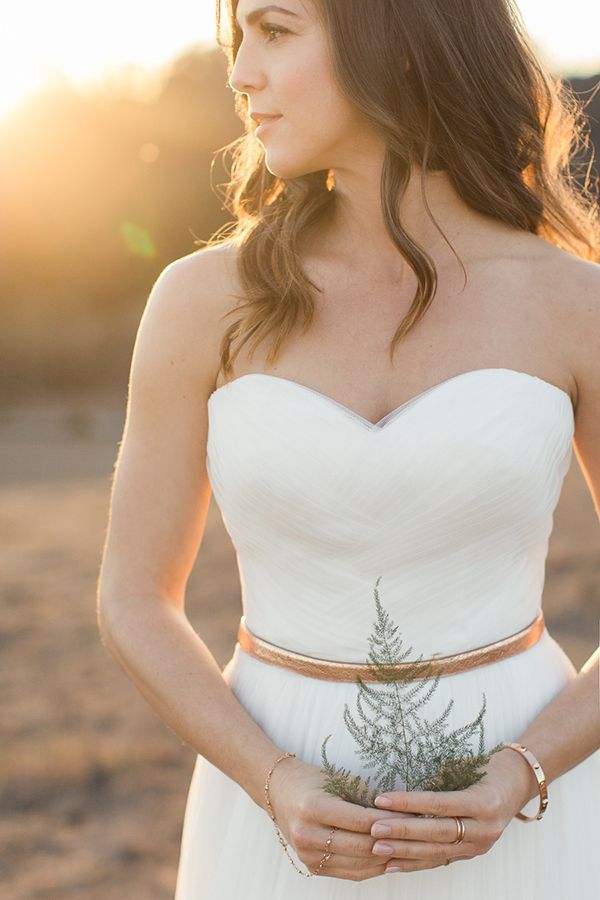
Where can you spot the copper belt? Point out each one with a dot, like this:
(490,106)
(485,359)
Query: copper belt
(437,665)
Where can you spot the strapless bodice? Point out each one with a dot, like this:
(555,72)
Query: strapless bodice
(450,498)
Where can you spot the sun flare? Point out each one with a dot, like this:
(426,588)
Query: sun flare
(85,44)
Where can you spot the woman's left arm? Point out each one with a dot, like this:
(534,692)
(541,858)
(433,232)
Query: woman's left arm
(567,730)
(565,733)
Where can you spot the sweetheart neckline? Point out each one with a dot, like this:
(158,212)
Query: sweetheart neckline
(389,417)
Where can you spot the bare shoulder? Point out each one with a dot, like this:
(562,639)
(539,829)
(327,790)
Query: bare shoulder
(573,289)
(207,275)
(185,307)
(212,266)
(569,289)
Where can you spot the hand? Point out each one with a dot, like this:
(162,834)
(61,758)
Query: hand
(305,814)
(486,808)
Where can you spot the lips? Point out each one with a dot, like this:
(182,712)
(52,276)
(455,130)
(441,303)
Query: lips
(259,118)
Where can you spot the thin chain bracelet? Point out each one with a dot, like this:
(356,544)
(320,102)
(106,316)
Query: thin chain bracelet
(282,840)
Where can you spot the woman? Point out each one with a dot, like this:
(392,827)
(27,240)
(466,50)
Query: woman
(410,144)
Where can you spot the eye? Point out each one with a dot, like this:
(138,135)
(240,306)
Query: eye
(266,28)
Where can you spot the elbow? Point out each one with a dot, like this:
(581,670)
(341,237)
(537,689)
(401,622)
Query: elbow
(104,621)
(110,602)
(592,664)
(119,613)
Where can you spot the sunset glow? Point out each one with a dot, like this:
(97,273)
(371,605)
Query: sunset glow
(87,44)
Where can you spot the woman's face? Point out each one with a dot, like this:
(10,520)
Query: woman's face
(283,66)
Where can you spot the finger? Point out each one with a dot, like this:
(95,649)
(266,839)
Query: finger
(416,850)
(346,867)
(437,803)
(350,816)
(346,843)
(436,830)
(349,863)
(340,861)
(413,865)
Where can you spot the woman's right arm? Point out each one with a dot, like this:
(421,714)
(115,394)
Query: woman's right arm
(158,506)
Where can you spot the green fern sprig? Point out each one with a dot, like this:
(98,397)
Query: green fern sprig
(342,783)
(393,739)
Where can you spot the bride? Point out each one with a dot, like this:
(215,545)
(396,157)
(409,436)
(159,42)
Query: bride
(415,293)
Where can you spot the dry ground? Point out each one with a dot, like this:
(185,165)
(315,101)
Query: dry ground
(93,783)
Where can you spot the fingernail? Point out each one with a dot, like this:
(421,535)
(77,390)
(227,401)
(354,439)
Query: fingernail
(380,830)
(382,849)
(383,801)
(393,869)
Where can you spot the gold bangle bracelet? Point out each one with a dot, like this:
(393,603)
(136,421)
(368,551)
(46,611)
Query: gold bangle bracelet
(540,778)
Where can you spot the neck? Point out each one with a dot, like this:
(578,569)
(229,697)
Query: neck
(357,228)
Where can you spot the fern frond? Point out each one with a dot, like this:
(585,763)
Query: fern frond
(393,739)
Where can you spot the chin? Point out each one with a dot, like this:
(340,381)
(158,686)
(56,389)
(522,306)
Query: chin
(291,168)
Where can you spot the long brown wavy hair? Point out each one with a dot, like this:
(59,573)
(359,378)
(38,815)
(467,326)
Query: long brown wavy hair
(451,85)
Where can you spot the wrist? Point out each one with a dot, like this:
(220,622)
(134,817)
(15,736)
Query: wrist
(254,780)
(517,778)
(278,780)
(540,778)
(528,779)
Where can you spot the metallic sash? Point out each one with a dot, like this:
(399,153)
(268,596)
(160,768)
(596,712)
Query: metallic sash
(437,665)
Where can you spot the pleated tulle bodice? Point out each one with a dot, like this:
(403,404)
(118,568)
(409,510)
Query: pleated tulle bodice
(450,498)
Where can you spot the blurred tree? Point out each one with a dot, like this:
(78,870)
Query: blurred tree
(99,190)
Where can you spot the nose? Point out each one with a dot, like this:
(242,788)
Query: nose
(245,76)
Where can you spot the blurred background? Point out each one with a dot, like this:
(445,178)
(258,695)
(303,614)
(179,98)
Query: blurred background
(110,115)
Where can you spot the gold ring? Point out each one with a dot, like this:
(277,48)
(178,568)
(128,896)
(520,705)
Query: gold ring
(460,825)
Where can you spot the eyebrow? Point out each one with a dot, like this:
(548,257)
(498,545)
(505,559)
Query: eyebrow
(255,15)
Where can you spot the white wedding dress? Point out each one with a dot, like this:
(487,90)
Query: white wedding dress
(450,498)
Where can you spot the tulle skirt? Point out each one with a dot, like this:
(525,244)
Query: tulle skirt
(230,850)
